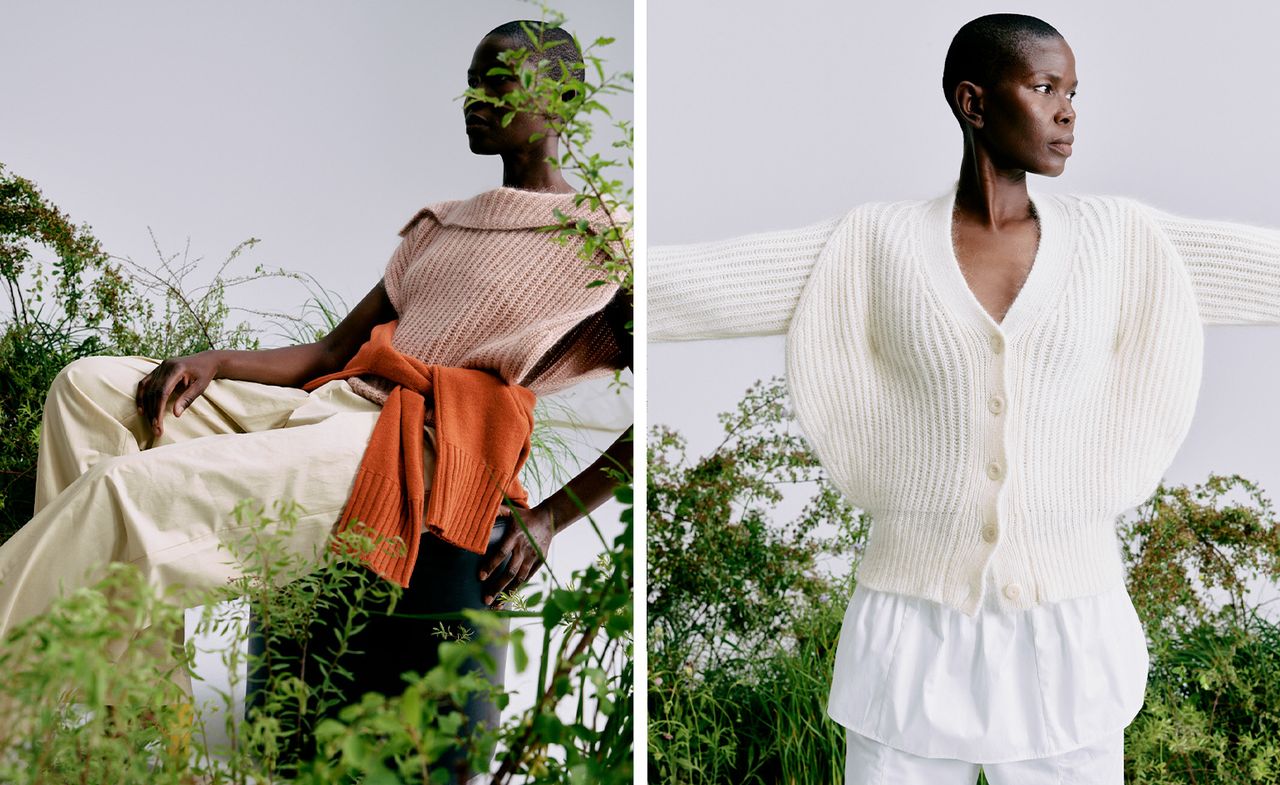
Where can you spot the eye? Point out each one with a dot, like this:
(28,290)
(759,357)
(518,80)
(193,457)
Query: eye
(1071,96)
(1047,88)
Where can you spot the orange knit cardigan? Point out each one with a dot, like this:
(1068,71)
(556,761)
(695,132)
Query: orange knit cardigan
(483,428)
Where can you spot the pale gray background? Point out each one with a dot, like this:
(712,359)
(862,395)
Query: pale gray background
(318,127)
(765,116)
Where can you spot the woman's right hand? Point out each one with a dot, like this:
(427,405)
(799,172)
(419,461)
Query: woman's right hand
(180,380)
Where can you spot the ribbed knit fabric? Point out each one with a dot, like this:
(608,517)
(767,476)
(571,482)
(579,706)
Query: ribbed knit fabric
(476,285)
(482,427)
(978,445)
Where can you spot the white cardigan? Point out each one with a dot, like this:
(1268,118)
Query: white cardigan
(975,445)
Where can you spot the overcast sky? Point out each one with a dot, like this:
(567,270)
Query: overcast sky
(775,117)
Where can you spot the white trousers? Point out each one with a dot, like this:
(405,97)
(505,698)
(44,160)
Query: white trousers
(105,493)
(871,763)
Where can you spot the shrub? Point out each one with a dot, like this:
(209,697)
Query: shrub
(744,619)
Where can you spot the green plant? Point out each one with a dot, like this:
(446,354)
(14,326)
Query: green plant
(1212,710)
(68,299)
(579,727)
(743,619)
(79,707)
(566,103)
(594,653)
(1185,542)
(71,712)
(742,615)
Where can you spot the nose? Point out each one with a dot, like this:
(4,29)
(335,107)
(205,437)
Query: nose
(469,103)
(1066,114)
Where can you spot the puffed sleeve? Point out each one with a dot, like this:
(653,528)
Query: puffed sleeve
(1234,267)
(728,288)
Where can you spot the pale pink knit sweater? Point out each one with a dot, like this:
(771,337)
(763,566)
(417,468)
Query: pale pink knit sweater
(476,286)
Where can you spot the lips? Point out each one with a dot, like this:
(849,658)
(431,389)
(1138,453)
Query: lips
(476,121)
(1063,145)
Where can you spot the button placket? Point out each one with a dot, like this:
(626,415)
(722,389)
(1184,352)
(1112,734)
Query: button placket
(996,466)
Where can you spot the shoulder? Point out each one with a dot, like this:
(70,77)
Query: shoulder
(431,215)
(863,216)
(880,211)
(1083,205)
(1109,217)
(884,220)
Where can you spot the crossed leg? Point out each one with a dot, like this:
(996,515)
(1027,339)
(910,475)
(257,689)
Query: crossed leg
(104,493)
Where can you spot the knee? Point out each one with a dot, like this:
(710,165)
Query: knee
(90,376)
(126,477)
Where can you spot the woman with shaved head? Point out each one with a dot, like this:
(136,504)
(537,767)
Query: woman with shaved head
(413,416)
(995,375)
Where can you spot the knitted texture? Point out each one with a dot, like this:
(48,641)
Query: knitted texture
(483,426)
(475,285)
(976,445)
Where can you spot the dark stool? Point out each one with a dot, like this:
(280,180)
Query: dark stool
(443,581)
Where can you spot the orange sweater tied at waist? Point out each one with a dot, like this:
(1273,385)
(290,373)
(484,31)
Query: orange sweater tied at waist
(483,428)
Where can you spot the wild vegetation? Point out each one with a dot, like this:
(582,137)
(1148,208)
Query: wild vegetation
(751,558)
(77,707)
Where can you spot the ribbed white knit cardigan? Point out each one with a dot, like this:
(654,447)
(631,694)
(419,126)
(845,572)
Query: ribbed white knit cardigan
(975,445)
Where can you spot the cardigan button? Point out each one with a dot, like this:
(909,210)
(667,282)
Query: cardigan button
(994,470)
(996,404)
(997,343)
(1013,591)
(989,532)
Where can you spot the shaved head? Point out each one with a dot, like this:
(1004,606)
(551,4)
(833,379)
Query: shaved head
(557,44)
(987,48)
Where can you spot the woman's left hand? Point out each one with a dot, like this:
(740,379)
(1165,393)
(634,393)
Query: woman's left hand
(525,560)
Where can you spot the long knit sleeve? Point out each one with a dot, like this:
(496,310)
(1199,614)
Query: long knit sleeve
(728,288)
(1235,268)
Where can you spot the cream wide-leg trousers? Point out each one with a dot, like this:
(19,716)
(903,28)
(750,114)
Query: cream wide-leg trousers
(105,493)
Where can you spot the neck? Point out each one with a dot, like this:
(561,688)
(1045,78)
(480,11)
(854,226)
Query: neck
(529,170)
(987,193)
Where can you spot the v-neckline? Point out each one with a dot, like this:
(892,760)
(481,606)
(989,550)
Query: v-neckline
(1048,267)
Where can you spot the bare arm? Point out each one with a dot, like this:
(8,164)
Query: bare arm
(530,533)
(176,382)
(293,366)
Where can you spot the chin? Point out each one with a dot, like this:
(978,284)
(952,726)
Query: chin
(479,147)
(1054,169)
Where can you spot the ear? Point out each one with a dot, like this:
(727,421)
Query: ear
(968,98)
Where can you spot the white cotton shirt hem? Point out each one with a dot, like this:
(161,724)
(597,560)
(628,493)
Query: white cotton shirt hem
(997,687)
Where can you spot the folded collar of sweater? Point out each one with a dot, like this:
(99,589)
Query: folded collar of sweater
(509,208)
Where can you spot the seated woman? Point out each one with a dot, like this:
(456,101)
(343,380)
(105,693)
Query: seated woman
(472,285)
